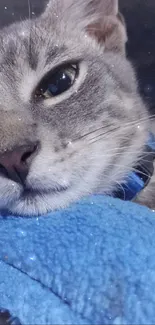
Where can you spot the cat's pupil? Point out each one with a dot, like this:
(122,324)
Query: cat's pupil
(60,83)
(56,83)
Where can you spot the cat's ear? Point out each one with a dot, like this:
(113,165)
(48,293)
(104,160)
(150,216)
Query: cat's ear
(109,28)
(99,18)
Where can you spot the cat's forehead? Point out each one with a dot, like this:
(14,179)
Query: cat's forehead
(26,41)
(29,50)
(36,46)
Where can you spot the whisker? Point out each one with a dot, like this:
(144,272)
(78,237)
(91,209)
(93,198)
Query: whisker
(104,133)
(30,17)
(115,128)
(145,160)
(121,186)
(29,9)
(99,137)
(152,116)
(91,132)
(132,169)
(119,153)
(137,122)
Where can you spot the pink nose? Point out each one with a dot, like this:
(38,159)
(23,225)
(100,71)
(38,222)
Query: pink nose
(15,164)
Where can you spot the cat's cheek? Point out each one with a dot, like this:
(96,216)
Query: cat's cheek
(10,193)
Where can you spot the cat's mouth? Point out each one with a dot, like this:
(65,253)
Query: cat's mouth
(31,192)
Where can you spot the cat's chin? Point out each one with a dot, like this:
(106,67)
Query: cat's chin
(37,200)
(29,193)
(37,203)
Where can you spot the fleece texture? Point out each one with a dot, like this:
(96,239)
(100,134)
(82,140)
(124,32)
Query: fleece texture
(92,263)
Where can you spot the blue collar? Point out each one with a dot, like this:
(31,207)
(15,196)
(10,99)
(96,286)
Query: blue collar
(139,179)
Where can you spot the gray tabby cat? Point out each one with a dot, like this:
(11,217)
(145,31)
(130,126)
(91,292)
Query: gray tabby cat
(72,122)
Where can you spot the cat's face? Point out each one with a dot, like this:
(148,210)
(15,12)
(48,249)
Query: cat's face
(73,97)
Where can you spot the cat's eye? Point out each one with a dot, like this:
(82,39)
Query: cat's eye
(57,82)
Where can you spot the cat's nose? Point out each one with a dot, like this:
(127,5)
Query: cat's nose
(15,164)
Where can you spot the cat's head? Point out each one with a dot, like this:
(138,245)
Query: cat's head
(71,120)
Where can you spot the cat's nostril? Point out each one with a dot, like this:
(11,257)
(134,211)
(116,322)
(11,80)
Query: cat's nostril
(15,164)
(26,156)
(29,153)
(3,171)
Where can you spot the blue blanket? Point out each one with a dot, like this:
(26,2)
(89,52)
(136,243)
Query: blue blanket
(93,263)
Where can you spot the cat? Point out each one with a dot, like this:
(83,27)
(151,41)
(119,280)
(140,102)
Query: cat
(72,120)
(147,196)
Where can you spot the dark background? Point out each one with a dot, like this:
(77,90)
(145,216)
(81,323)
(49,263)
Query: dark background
(140,18)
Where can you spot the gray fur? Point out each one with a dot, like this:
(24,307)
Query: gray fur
(147,196)
(103,103)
